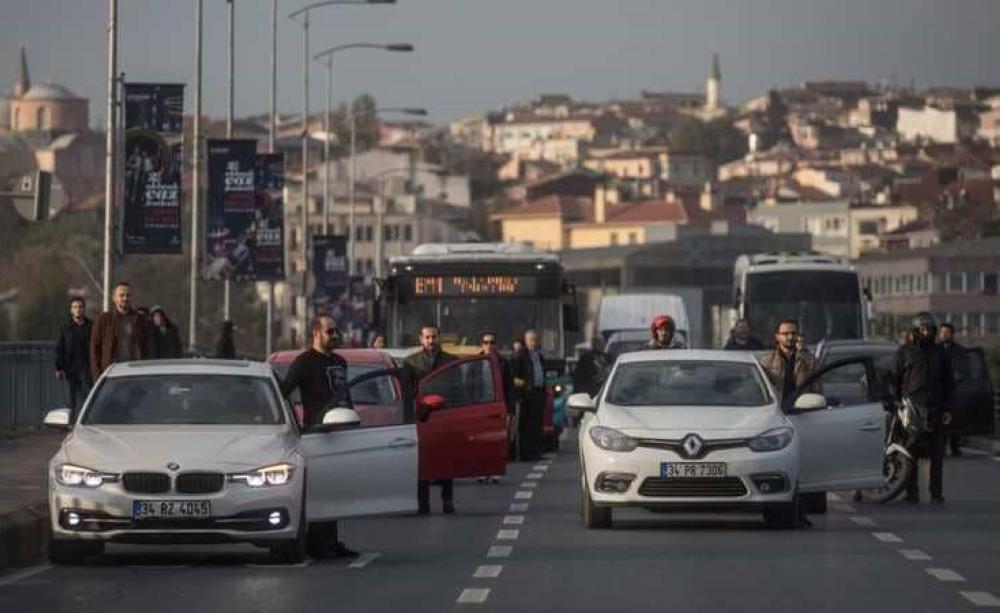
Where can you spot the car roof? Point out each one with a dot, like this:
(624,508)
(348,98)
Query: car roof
(193,366)
(698,355)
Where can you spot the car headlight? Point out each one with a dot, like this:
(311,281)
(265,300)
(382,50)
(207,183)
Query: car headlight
(611,439)
(78,476)
(771,440)
(276,474)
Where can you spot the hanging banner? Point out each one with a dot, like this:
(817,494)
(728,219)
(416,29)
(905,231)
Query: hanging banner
(261,257)
(331,292)
(232,208)
(154,123)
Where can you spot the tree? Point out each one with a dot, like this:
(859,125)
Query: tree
(716,139)
(366,123)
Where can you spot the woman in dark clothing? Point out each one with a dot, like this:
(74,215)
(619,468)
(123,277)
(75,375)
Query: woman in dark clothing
(225,347)
(163,340)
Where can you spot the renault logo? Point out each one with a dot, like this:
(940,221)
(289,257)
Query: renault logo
(692,445)
(174,466)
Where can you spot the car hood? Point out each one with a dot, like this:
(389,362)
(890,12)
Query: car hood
(226,448)
(675,422)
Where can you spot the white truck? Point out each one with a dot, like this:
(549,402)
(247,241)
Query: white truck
(623,320)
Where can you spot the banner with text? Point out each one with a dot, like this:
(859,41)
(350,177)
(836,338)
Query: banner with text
(231,210)
(331,293)
(262,255)
(154,124)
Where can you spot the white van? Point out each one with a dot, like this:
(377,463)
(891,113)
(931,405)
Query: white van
(623,320)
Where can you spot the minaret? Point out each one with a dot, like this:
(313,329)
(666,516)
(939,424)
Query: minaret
(23,80)
(713,86)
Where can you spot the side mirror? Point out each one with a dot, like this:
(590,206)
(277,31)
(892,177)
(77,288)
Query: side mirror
(810,402)
(338,419)
(581,402)
(427,404)
(58,418)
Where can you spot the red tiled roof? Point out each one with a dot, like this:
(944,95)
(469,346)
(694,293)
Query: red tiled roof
(647,211)
(567,207)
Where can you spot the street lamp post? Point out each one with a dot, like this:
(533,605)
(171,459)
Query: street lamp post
(195,183)
(304,14)
(326,58)
(231,39)
(353,169)
(110,157)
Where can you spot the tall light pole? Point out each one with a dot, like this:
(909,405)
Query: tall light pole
(303,13)
(231,39)
(110,158)
(272,128)
(326,57)
(353,169)
(195,183)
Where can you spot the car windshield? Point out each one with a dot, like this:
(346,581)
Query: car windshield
(172,399)
(688,383)
(379,390)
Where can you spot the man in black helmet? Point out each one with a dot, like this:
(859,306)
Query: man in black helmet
(921,371)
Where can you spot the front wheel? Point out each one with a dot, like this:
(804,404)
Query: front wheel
(593,516)
(896,470)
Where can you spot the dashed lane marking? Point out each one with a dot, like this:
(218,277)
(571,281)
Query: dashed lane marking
(540,468)
(24,574)
(364,559)
(844,508)
(529,484)
(535,475)
(833,496)
(473,596)
(302,564)
(914,554)
(519,507)
(945,574)
(995,459)
(864,521)
(523,495)
(513,520)
(487,572)
(981,599)
(500,551)
(887,537)
(162,566)
(508,535)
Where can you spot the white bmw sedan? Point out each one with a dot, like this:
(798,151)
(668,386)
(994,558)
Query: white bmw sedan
(204,451)
(704,430)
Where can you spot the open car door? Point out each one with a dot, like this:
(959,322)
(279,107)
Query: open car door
(370,469)
(841,446)
(972,404)
(467,436)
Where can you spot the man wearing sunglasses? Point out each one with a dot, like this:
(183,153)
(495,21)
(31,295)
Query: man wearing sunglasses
(789,365)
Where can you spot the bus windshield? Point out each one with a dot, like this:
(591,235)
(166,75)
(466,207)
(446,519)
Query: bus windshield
(827,304)
(462,320)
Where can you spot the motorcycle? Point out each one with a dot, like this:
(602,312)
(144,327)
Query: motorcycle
(904,423)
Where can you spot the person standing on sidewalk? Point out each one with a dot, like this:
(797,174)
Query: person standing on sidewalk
(225,345)
(946,339)
(430,358)
(163,340)
(118,335)
(73,353)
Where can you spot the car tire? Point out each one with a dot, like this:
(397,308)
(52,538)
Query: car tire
(815,502)
(71,552)
(293,551)
(784,515)
(593,516)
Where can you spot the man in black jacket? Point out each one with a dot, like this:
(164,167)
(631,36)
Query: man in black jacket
(946,339)
(429,359)
(921,371)
(73,353)
(591,368)
(529,376)
(320,375)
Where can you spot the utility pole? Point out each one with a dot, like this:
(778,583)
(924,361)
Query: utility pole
(110,157)
(272,128)
(195,183)
(231,37)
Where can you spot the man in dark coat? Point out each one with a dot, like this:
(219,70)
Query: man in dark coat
(119,335)
(946,339)
(430,358)
(921,371)
(163,339)
(225,345)
(591,368)
(740,338)
(73,353)
(529,376)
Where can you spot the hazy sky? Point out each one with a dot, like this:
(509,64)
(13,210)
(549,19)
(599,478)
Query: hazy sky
(477,55)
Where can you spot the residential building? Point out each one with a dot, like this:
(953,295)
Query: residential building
(959,282)
(989,125)
(937,124)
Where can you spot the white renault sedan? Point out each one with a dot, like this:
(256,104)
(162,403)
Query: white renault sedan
(704,430)
(203,451)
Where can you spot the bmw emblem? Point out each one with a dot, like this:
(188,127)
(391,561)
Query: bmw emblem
(174,466)
(692,445)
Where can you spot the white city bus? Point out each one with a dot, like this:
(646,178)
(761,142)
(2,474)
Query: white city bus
(822,292)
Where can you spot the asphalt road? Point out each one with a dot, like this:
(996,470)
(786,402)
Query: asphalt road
(493,556)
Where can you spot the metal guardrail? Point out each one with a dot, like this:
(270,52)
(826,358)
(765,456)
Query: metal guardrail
(28,387)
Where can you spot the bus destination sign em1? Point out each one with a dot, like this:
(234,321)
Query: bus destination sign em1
(474,285)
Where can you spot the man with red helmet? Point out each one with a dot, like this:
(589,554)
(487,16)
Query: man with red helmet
(662,330)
